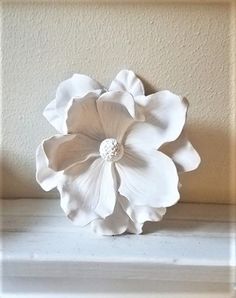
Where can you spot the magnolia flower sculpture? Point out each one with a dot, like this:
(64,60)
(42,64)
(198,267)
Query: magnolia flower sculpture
(108,161)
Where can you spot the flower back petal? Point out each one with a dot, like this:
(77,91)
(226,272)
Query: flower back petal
(117,112)
(182,153)
(166,111)
(71,205)
(135,227)
(76,86)
(127,81)
(51,114)
(46,177)
(114,224)
(141,214)
(82,117)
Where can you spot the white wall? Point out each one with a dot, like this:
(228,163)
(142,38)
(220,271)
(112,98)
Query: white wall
(182,47)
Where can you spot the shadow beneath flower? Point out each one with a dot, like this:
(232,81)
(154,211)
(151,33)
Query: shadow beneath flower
(174,227)
(173,223)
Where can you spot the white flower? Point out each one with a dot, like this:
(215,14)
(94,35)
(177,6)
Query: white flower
(105,160)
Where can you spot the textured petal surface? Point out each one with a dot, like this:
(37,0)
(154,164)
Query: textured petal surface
(166,111)
(76,86)
(117,113)
(82,116)
(46,177)
(148,179)
(64,151)
(140,214)
(88,191)
(183,154)
(115,224)
(126,80)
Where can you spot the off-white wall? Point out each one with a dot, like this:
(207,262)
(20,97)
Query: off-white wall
(181,47)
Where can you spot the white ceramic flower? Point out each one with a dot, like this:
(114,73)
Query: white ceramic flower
(105,160)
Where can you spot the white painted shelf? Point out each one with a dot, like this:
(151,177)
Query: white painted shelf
(193,243)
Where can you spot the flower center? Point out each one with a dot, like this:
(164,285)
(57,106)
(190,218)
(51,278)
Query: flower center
(111,150)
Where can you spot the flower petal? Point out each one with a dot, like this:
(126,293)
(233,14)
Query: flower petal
(183,154)
(117,112)
(166,111)
(148,179)
(64,151)
(140,214)
(114,224)
(71,206)
(142,136)
(51,114)
(135,227)
(127,81)
(82,117)
(88,191)
(46,177)
(107,189)
(76,86)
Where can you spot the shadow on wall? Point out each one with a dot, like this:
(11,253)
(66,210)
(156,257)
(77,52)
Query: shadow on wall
(209,183)
(11,179)
(14,180)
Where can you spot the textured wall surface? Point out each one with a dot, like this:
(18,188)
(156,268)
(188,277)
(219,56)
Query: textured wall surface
(181,47)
